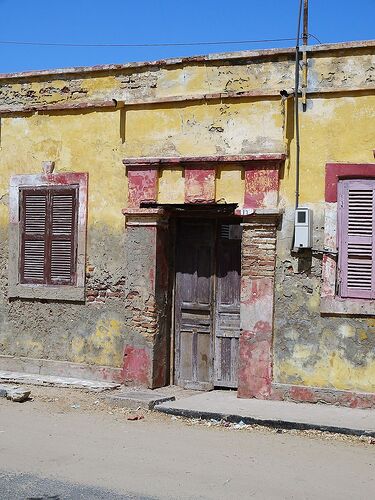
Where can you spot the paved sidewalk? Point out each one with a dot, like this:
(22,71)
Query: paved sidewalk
(281,414)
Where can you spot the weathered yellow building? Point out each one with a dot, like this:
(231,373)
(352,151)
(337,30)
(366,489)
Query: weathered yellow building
(147,216)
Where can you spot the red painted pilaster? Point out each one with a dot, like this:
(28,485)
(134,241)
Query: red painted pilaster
(199,184)
(142,185)
(261,184)
(257,297)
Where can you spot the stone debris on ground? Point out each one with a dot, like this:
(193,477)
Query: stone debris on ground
(135,417)
(15,393)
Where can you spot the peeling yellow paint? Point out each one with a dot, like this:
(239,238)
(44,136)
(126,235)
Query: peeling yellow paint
(346,331)
(314,302)
(100,347)
(326,137)
(363,335)
(230,186)
(171,185)
(301,352)
(77,345)
(81,143)
(337,128)
(332,371)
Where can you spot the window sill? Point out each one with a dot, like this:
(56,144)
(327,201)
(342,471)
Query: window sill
(337,305)
(61,292)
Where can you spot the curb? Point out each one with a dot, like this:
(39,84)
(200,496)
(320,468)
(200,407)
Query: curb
(276,424)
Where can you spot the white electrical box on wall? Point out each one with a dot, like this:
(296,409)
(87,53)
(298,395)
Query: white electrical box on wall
(303,228)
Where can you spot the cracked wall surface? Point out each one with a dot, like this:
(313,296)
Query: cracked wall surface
(120,310)
(309,348)
(326,70)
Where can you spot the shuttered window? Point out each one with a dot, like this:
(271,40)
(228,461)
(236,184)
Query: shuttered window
(357,238)
(48,222)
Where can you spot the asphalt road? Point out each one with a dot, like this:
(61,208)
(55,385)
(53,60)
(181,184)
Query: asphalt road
(67,445)
(31,487)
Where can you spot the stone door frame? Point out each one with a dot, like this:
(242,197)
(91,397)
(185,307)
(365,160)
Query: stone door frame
(148,286)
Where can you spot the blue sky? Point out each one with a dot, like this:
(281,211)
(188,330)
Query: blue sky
(164,21)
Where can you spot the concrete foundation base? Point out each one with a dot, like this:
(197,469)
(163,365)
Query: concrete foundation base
(50,380)
(60,369)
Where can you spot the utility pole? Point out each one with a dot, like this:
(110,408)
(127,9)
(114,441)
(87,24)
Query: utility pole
(296,90)
(305,38)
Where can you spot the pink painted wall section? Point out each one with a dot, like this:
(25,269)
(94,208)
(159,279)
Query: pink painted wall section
(254,371)
(261,185)
(142,185)
(305,394)
(255,364)
(137,366)
(336,171)
(199,185)
(256,306)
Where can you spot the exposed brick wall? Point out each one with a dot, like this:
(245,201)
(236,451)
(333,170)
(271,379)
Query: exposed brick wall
(259,248)
(101,293)
(98,291)
(144,318)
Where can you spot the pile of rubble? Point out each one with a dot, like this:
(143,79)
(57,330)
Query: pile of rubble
(14,393)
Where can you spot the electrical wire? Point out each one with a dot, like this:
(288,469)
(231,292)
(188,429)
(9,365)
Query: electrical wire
(134,45)
(314,37)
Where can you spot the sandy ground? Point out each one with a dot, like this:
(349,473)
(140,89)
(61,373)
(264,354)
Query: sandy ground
(78,438)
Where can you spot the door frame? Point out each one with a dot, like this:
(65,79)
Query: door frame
(216,217)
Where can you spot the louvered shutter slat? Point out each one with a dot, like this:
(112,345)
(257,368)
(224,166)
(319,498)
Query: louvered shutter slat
(34,226)
(62,239)
(357,263)
(33,267)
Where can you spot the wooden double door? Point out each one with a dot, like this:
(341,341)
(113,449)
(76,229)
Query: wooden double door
(207,303)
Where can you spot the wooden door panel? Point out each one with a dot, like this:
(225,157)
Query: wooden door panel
(204,275)
(193,304)
(227,360)
(227,327)
(228,324)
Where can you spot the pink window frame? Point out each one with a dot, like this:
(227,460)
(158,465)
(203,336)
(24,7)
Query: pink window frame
(330,302)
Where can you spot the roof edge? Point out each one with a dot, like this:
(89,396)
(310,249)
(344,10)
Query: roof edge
(244,54)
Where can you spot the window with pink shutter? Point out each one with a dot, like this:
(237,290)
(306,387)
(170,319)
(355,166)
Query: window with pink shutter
(356,205)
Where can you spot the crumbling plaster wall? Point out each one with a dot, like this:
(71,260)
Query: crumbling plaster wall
(97,141)
(93,333)
(309,348)
(131,82)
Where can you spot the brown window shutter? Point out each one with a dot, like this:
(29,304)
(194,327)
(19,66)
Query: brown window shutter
(34,231)
(48,245)
(62,236)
